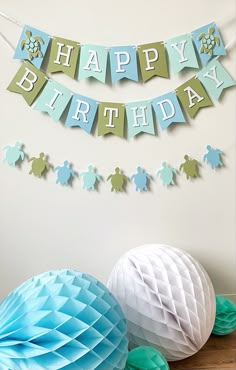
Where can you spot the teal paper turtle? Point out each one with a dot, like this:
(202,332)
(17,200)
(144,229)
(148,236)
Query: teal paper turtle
(166,174)
(13,154)
(89,178)
(225,321)
(64,173)
(39,165)
(140,179)
(190,167)
(118,180)
(32,45)
(208,41)
(213,157)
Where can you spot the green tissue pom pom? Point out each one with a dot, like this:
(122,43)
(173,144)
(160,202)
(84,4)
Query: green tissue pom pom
(225,321)
(146,358)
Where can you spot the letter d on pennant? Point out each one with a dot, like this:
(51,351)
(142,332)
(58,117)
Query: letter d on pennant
(28,82)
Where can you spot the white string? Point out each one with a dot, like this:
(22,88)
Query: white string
(7,41)
(3,15)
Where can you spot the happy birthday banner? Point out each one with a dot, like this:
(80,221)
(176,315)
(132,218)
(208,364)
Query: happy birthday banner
(67,56)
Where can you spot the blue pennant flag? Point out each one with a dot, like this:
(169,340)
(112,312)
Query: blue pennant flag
(123,60)
(82,113)
(167,110)
(32,46)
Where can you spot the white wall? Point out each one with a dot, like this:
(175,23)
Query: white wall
(46,226)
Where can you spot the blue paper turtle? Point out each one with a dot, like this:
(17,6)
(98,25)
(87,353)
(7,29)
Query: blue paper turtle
(140,179)
(13,154)
(166,174)
(64,173)
(89,178)
(213,157)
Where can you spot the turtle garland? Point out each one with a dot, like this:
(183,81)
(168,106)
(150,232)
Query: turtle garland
(14,155)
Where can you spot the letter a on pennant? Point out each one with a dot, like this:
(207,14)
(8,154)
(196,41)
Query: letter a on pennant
(153,60)
(193,96)
(93,62)
(63,57)
(28,82)
(111,119)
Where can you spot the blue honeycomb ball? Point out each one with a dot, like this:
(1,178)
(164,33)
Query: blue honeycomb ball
(225,321)
(62,319)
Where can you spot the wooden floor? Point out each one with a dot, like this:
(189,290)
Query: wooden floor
(219,353)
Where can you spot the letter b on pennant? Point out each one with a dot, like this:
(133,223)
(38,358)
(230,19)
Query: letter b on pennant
(28,82)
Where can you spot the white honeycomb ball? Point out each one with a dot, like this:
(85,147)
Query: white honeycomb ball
(167,298)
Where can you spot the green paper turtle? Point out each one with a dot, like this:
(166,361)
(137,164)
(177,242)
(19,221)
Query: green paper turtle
(13,154)
(117,180)
(146,358)
(190,167)
(225,320)
(32,45)
(208,41)
(39,165)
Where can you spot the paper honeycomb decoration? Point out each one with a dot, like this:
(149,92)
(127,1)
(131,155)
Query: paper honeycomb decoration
(146,358)
(225,320)
(167,298)
(62,319)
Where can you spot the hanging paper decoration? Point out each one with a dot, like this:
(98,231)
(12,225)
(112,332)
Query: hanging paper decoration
(118,180)
(166,174)
(208,42)
(213,157)
(62,319)
(153,60)
(140,179)
(139,118)
(168,110)
(32,45)
(28,82)
(190,167)
(225,320)
(215,79)
(123,61)
(90,178)
(53,100)
(111,119)
(82,113)
(39,165)
(93,62)
(64,174)
(193,96)
(146,358)
(13,154)
(181,53)
(63,56)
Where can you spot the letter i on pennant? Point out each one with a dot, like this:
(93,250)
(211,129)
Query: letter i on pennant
(53,100)
(111,119)
(193,96)
(28,82)
(64,56)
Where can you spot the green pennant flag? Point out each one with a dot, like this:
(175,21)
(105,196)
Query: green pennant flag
(28,82)
(64,56)
(153,60)
(111,119)
(193,96)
